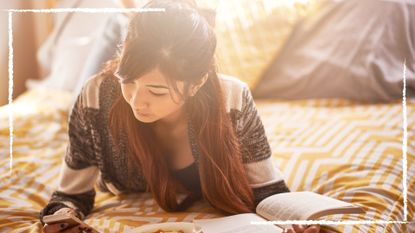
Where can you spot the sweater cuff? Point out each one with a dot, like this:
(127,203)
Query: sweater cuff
(261,193)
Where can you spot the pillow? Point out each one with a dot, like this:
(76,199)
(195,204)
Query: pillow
(250,33)
(349,49)
(63,57)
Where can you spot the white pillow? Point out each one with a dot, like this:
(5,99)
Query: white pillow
(63,58)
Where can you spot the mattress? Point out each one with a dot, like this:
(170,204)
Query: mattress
(342,149)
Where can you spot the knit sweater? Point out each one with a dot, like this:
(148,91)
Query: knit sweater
(91,157)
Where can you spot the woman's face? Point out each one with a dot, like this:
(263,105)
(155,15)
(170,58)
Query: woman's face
(151,99)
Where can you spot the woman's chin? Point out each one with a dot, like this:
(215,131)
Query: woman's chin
(145,119)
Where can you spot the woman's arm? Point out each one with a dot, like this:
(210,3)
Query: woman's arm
(79,170)
(265,177)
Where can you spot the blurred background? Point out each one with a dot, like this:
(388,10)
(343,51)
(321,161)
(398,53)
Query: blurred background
(287,49)
(30,31)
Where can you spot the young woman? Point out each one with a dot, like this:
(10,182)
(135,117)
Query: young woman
(160,119)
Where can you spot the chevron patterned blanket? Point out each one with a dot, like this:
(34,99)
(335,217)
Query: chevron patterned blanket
(346,150)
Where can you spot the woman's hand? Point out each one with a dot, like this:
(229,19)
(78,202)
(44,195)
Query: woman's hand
(64,228)
(303,229)
(61,227)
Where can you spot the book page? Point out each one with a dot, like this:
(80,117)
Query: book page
(302,206)
(240,223)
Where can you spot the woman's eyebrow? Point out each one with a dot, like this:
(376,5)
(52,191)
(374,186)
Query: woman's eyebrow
(158,86)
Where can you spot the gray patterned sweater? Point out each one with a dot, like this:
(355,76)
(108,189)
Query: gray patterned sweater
(91,157)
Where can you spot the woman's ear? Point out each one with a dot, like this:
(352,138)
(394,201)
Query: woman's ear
(196,87)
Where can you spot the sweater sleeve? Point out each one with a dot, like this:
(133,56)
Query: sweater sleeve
(264,176)
(79,169)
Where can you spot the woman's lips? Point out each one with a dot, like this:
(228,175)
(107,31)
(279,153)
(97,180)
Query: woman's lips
(142,114)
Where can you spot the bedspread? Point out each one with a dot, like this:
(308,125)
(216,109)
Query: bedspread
(343,149)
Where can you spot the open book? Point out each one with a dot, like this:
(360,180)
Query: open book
(279,207)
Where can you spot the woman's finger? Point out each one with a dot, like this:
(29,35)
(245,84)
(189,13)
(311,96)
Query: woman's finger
(76,229)
(288,230)
(54,227)
(299,228)
(313,229)
(83,228)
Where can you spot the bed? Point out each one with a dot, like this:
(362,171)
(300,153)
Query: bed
(340,148)
(346,149)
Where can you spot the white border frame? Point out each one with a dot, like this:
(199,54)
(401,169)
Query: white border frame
(126,10)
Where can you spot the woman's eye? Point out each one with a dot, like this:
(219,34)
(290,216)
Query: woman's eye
(156,94)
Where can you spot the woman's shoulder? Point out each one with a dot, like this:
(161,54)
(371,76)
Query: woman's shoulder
(234,91)
(99,90)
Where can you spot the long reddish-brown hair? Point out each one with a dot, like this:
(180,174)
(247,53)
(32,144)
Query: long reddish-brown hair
(181,43)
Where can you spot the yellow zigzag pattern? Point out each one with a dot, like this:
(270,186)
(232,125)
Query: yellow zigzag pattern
(338,148)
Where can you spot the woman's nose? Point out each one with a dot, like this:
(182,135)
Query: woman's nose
(139,98)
